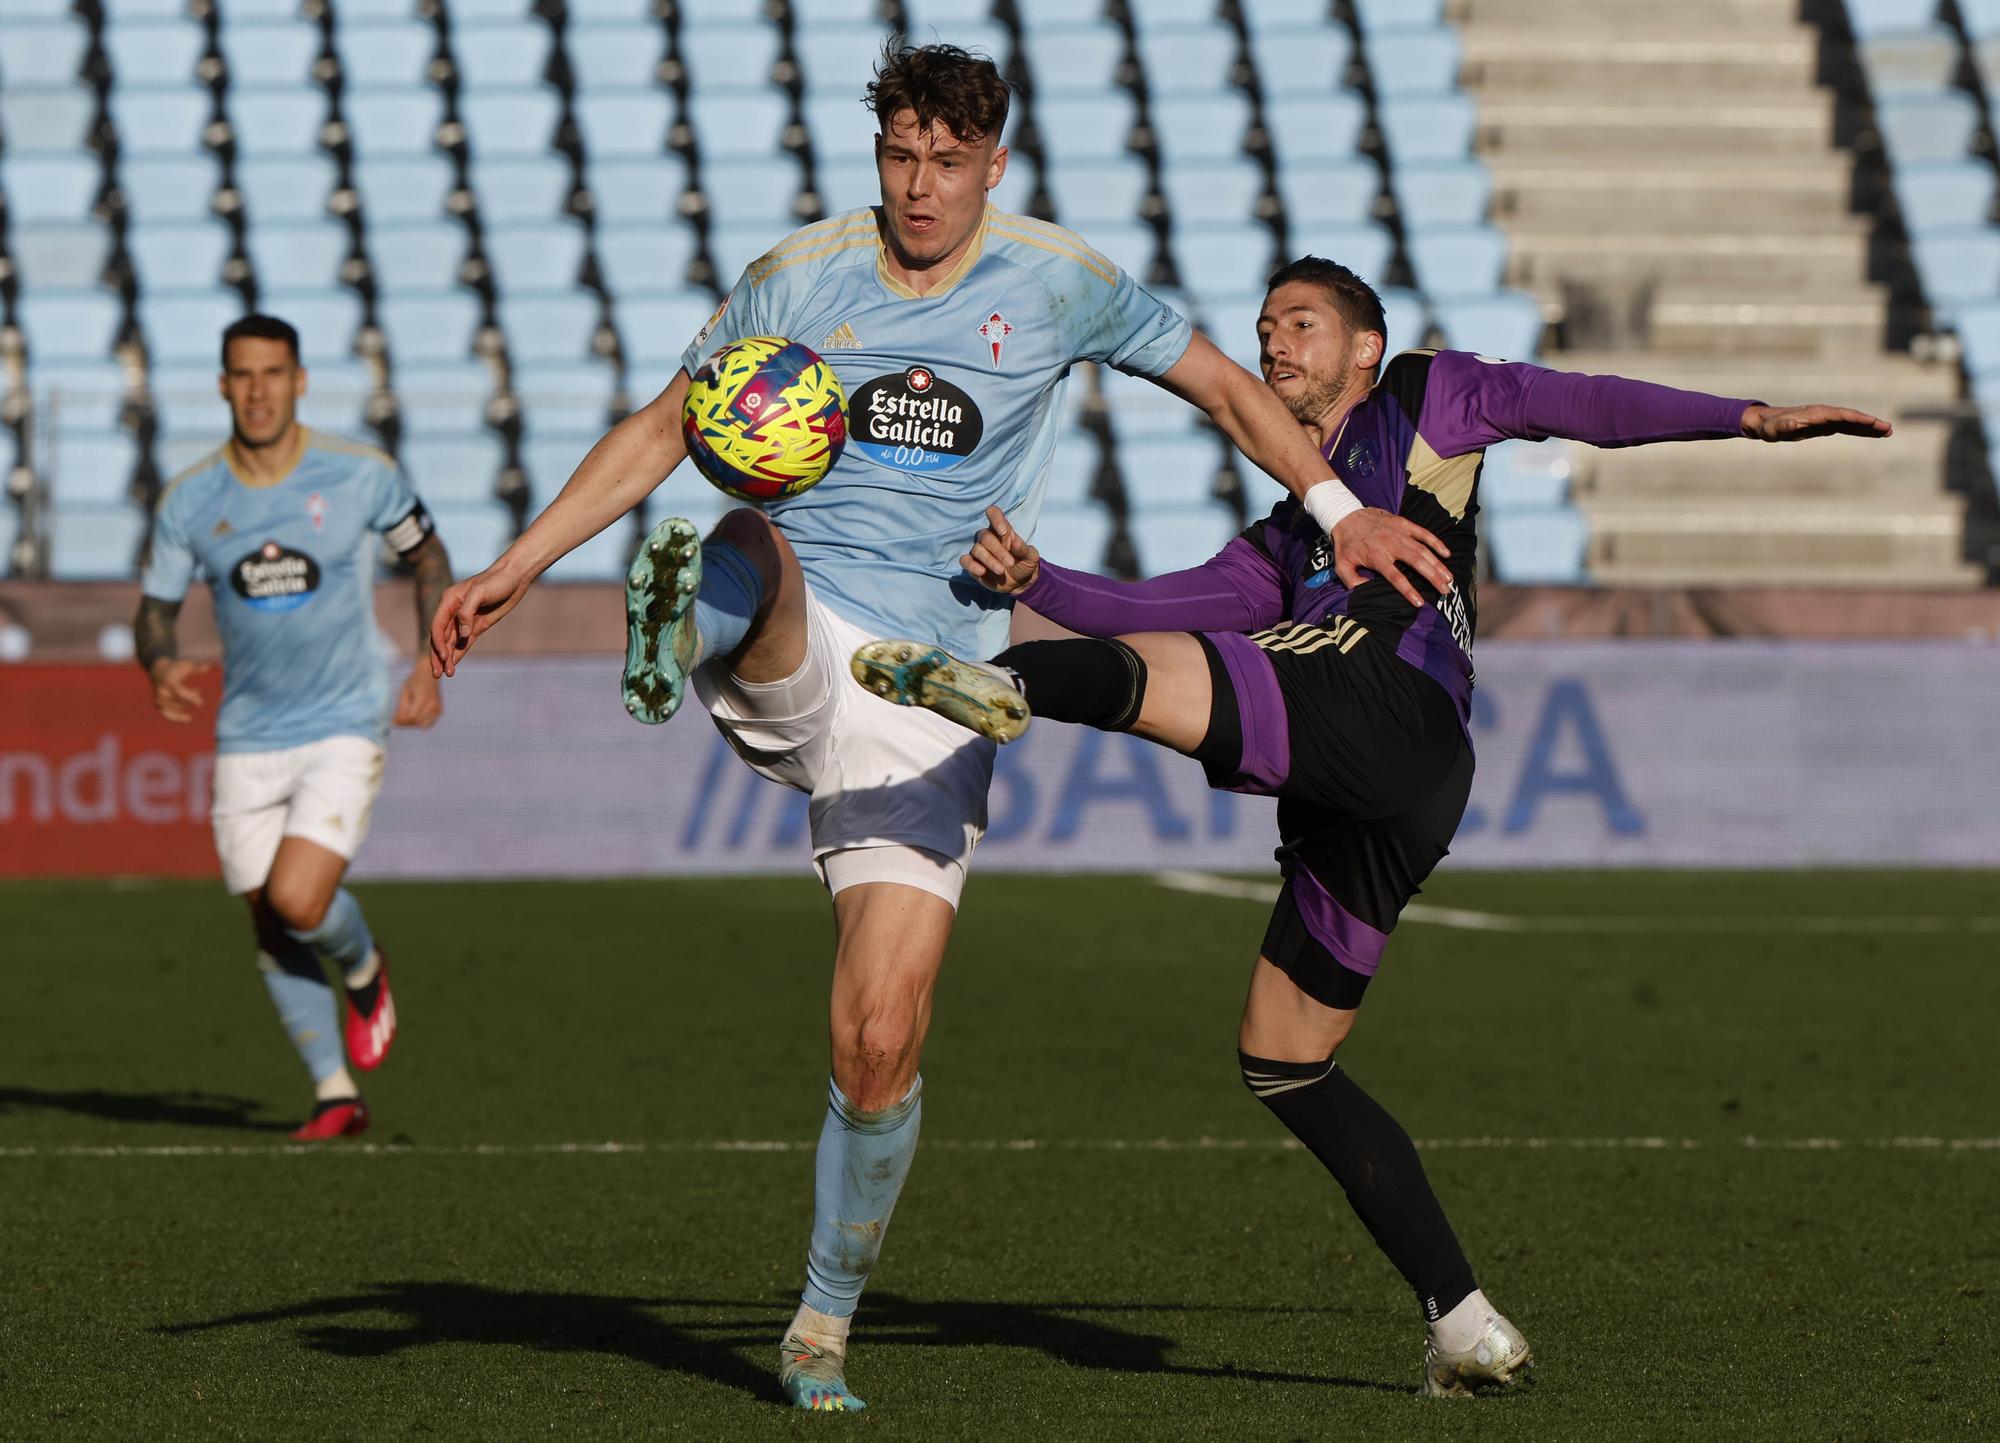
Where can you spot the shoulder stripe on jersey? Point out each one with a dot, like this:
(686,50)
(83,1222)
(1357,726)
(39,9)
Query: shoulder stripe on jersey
(820,230)
(1448,478)
(341,446)
(212,459)
(762,270)
(1056,241)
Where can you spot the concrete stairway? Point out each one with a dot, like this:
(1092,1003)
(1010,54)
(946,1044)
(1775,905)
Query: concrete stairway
(1670,185)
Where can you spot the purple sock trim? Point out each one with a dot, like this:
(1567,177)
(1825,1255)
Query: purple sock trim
(1260,707)
(1354,944)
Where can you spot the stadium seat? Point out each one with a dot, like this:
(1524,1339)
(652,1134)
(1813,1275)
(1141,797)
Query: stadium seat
(1412,60)
(326,321)
(286,187)
(542,257)
(1072,470)
(269,52)
(1980,17)
(442,397)
(1220,259)
(1940,195)
(404,187)
(624,123)
(1504,324)
(1171,14)
(654,328)
(1131,247)
(851,184)
(1083,56)
(1521,475)
(388,57)
(95,543)
(153,53)
(1191,59)
(1454,261)
(1035,14)
(1077,126)
(832,57)
(755,190)
(1213,192)
(303,256)
(86,395)
(496,55)
(276,122)
(1201,127)
(1168,472)
(1140,410)
(416,256)
(179,257)
(1177,538)
(1231,322)
(1307,128)
(455,469)
(1428,127)
(1335,192)
(635,191)
(838,12)
(337,400)
(49,187)
(1406,316)
(65,256)
(550,459)
(737,124)
(1921,61)
(521,189)
(611,57)
(436,327)
(1374,15)
(1300,59)
(1927,127)
(187,326)
(1432,193)
(68,325)
(160,188)
(1365,248)
(840,128)
(644,258)
(34,53)
(1087,193)
(1538,545)
(729,53)
(549,327)
(159,120)
(733,247)
(392,122)
(510,122)
(474,534)
(564,395)
(91,468)
(45,118)
(1957,266)
(1075,536)
(1979,341)
(1868,18)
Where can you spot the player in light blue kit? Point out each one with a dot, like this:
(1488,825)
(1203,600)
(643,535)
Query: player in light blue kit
(286,525)
(952,327)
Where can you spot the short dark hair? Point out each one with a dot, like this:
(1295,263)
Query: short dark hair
(944,85)
(259,328)
(1353,297)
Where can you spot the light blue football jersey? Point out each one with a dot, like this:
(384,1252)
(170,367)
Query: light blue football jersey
(292,570)
(954,402)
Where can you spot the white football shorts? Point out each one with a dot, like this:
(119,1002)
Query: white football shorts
(323,791)
(898,793)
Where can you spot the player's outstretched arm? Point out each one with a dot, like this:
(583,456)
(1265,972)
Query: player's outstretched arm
(153,642)
(418,704)
(621,470)
(1258,425)
(1804,423)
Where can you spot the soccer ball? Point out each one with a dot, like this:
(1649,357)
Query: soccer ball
(765,418)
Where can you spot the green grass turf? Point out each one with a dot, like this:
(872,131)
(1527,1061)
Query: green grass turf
(1714,1291)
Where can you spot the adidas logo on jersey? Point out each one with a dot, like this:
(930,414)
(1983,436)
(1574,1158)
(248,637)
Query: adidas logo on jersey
(841,338)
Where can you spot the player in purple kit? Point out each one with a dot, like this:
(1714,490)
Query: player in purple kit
(1351,706)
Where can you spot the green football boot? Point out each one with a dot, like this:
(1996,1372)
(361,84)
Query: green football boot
(978,697)
(659,616)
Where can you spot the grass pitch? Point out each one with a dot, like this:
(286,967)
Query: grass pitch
(1728,1157)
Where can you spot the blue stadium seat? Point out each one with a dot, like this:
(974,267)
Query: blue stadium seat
(430,328)
(1453,261)
(474,533)
(615,56)
(489,12)
(326,321)
(391,57)
(851,184)
(68,325)
(565,394)
(1192,59)
(550,459)
(841,129)
(1877,17)
(602,558)
(1364,248)
(730,53)
(185,257)
(1505,324)
(1336,192)
(154,53)
(183,393)
(624,123)
(416,256)
(1524,474)
(161,188)
(91,468)
(276,122)
(1088,193)
(454,469)
(392,122)
(40,118)
(733,247)
(286,187)
(95,543)
(834,58)
(1077,126)
(49,187)
(1412,60)
(443,397)
(501,56)
(1314,127)
(1035,14)
(1910,62)
(1169,471)
(1201,127)
(159,120)
(837,12)
(1431,193)
(1218,259)
(635,192)
(34,53)
(337,401)
(269,52)
(1072,470)
(1075,536)
(1957,266)
(1375,15)
(1406,316)
(981,37)
(1260,16)
(521,188)
(1083,56)
(1979,340)
(1942,194)
(1131,246)
(542,257)
(1301,59)
(1216,192)
(62,255)
(656,327)
(404,187)
(1231,322)
(1178,538)
(1981,17)
(733,124)
(87,394)
(756,190)
(188,325)
(1538,545)
(510,122)
(1428,127)
(303,256)
(1927,127)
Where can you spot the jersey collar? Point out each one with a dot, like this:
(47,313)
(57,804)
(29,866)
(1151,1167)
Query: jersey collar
(229,460)
(951,278)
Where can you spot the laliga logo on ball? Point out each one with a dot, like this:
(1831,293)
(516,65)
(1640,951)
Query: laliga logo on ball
(765,419)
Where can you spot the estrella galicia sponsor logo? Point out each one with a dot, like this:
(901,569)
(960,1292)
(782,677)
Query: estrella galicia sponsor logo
(914,420)
(275,578)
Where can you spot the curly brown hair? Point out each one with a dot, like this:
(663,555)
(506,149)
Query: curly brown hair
(944,85)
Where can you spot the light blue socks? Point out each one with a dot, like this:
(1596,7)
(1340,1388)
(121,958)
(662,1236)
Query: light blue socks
(296,980)
(342,936)
(863,1159)
(731,591)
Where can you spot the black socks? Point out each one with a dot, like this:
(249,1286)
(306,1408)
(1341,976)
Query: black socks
(1374,1161)
(1095,683)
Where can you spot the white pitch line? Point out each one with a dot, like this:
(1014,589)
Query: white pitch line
(1207,884)
(1002,1145)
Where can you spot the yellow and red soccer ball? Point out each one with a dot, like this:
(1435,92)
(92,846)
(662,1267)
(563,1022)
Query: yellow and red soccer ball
(764,418)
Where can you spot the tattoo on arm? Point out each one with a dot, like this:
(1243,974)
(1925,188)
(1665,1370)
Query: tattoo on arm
(153,631)
(432,569)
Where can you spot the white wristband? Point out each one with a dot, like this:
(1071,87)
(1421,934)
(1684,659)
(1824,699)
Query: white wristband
(1330,503)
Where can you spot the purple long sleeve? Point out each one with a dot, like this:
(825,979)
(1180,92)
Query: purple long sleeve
(1474,402)
(1237,589)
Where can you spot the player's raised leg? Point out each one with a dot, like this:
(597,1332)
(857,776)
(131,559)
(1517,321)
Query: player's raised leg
(737,594)
(891,941)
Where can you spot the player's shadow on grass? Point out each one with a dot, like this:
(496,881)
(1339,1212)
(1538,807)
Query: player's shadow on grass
(730,1341)
(184,1109)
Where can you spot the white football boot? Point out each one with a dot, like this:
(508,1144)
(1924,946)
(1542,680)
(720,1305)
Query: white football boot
(1499,1355)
